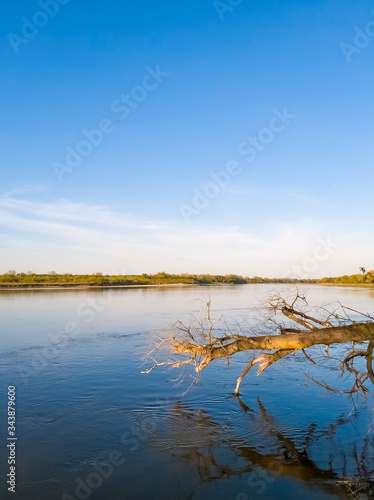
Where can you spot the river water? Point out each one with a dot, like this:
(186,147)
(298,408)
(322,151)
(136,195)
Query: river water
(89,424)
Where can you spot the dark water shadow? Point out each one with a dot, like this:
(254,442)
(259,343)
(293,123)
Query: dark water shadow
(267,455)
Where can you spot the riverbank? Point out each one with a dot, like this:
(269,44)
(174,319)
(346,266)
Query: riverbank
(70,286)
(54,280)
(85,282)
(67,287)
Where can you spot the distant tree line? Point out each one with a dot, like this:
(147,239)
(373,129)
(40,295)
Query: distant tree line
(365,278)
(98,279)
(30,279)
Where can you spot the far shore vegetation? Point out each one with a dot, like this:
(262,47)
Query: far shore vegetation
(98,279)
(12,279)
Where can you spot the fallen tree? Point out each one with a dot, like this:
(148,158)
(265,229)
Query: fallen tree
(204,341)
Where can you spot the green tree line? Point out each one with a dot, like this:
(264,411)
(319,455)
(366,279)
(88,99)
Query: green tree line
(98,279)
(52,279)
(365,278)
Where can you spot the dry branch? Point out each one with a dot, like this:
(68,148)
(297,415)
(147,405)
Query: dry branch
(202,345)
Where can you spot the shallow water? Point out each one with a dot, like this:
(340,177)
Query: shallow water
(90,425)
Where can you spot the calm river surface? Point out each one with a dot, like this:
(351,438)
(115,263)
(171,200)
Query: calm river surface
(90,425)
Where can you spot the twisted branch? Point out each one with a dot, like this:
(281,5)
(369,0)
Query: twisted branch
(202,344)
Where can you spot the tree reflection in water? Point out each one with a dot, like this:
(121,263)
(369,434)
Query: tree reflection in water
(265,452)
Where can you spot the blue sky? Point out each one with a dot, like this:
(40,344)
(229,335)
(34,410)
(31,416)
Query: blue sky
(225,70)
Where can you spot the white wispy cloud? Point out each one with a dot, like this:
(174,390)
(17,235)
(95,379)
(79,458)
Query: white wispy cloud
(74,213)
(77,237)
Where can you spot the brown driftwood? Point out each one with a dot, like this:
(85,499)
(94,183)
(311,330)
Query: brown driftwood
(202,346)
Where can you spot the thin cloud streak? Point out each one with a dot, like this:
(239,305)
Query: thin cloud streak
(82,238)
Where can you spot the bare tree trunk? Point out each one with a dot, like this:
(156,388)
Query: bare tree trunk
(360,332)
(202,346)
